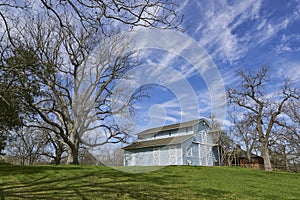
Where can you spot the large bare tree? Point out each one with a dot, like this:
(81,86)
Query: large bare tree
(78,62)
(103,15)
(262,105)
(76,100)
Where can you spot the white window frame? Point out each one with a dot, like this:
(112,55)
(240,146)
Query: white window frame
(189,152)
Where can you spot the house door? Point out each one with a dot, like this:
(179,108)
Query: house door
(132,159)
(156,156)
(172,156)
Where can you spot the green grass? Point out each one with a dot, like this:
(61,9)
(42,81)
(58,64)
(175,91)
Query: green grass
(89,182)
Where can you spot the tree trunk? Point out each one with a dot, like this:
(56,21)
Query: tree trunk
(58,157)
(72,156)
(59,150)
(72,150)
(249,157)
(229,161)
(287,165)
(57,161)
(266,157)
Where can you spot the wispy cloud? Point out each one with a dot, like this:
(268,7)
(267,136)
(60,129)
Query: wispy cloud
(230,30)
(296,13)
(288,43)
(220,22)
(293,72)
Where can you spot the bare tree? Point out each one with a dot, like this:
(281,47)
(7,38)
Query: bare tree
(75,100)
(77,105)
(26,146)
(286,141)
(224,141)
(86,158)
(243,128)
(293,111)
(76,94)
(147,13)
(263,109)
(98,15)
(111,155)
(285,148)
(56,148)
(227,145)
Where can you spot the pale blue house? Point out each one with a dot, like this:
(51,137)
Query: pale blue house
(188,143)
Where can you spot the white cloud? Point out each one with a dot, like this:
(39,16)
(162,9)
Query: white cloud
(282,48)
(288,42)
(230,30)
(296,13)
(230,77)
(219,24)
(290,70)
(261,24)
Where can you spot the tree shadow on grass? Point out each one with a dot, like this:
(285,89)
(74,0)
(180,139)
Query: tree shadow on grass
(77,182)
(6,170)
(2,197)
(99,184)
(211,193)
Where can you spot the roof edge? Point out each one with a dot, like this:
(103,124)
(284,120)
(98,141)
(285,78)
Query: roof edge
(173,126)
(131,146)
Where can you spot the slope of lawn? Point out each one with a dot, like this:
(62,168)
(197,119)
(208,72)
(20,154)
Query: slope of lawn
(181,182)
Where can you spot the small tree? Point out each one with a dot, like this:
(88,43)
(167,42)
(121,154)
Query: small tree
(56,148)
(2,142)
(286,140)
(224,141)
(243,128)
(26,146)
(111,155)
(16,87)
(284,149)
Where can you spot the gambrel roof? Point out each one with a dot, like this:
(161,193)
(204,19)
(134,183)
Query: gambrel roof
(173,126)
(159,142)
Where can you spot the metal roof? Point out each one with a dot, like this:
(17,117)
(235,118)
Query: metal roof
(172,126)
(159,142)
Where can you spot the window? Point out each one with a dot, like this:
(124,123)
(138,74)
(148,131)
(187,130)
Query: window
(189,152)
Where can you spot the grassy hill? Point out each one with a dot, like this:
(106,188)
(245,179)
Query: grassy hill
(184,182)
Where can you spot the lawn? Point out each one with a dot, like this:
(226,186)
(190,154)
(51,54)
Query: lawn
(184,182)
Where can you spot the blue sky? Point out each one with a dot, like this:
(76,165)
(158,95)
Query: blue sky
(237,35)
